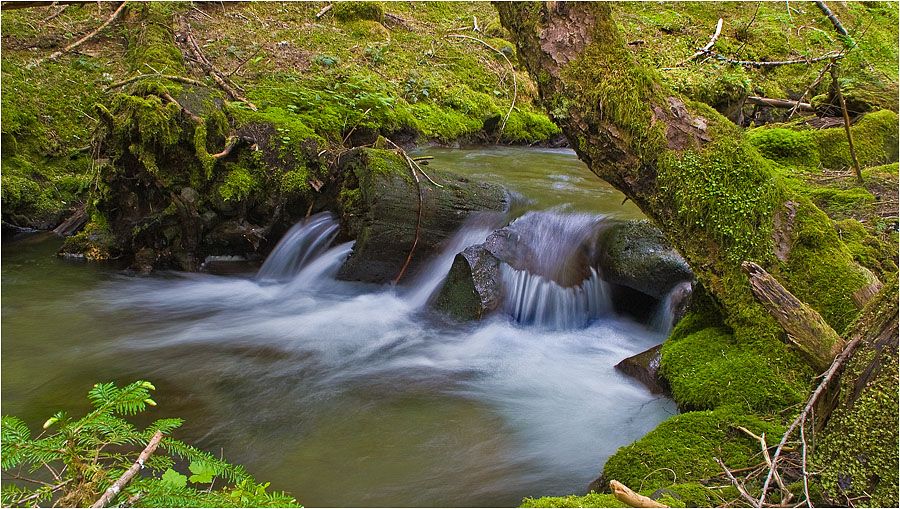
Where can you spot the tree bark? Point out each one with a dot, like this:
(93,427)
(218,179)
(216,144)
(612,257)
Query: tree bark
(689,169)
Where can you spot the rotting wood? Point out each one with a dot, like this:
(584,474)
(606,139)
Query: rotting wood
(805,327)
(863,295)
(512,70)
(130,473)
(779,103)
(630,498)
(837,90)
(84,39)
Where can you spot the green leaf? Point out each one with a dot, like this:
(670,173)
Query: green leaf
(203,472)
(174,479)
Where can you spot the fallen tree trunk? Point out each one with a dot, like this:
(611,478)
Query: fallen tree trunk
(779,103)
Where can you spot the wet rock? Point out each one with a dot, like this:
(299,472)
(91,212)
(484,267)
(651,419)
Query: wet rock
(473,287)
(635,254)
(379,204)
(644,367)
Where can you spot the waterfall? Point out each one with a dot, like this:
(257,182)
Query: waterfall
(664,318)
(532,299)
(303,243)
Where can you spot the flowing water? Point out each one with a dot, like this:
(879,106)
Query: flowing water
(350,394)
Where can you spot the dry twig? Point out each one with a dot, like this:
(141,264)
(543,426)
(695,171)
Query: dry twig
(737,485)
(706,48)
(81,41)
(130,473)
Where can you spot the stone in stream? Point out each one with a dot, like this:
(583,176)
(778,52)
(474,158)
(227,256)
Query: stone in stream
(379,204)
(644,367)
(635,254)
(473,287)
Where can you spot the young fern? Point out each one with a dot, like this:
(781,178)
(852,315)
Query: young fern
(84,457)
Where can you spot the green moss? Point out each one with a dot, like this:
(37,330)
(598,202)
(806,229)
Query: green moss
(206,160)
(866,249)
(710,368)
(687,444)
(356,10)
(820,270)
(787,146)
(842,203)
(527,127)
(875,140)
(590,500)
(295,181)
(239,183)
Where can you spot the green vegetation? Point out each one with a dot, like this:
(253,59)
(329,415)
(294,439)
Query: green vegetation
(84,457)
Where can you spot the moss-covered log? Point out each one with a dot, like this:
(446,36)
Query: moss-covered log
(381,208)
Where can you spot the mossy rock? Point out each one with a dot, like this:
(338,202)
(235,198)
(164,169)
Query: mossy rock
(356,11)
(473,287)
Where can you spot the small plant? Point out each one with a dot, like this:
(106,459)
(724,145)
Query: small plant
(85,457)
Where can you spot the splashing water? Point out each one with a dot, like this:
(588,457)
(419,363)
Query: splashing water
(300,245)
(531,299)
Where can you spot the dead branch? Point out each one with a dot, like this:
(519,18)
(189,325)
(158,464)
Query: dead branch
(130,473)
(786,493)
(779,103)
(186,111)
(805,473)
(324,10)
(511,69)
(87,37)
(355,126)
(208,67)
(55,14)
(630,498)
(751,63)
(706,48)
(188,81)
(737,485)
(805,327)
(840,96)
(808,90)
(827,376)
(411,161)
(839,28)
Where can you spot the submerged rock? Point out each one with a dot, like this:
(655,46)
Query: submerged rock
(473,287)
(379,202)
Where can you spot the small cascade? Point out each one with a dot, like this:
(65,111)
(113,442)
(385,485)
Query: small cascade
(532,299)
(303,243)
(321,269)
(664,318)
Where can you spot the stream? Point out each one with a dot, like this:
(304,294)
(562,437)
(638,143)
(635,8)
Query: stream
(345,394)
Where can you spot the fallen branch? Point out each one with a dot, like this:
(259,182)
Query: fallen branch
(355,126)
(512,71)
(411,161)
(419,215)
(805,327)
(840,96)
(130,473)
(779,103)
(827,376)
(706,48)
(808,90)
(835,22)
(738,485)
(186,111)
(55,14)
(785,493)
(751,63)
(208,67)
(630,498)
(324,10)
(87,37)
(188,81)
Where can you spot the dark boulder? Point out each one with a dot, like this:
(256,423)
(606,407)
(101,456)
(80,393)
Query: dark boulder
(473,287)
(635,254)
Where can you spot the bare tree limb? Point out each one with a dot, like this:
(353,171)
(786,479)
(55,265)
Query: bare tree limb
(630,498)
(751,63)
(130,473)
(324,10)
(836,22)
(840,96)
(808,90)
(738,485)
(828,375)
(779,103)
(87,37)
(706,48)
(786,493)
